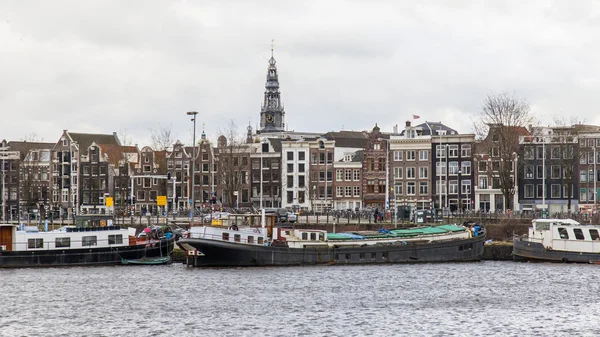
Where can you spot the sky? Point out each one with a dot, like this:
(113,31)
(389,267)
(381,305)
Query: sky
(133,66)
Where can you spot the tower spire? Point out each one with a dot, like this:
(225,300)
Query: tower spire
(272,46)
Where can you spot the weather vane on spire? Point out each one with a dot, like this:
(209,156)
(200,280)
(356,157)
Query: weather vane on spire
(272,46)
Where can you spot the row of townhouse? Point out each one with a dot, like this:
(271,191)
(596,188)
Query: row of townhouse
(423,166)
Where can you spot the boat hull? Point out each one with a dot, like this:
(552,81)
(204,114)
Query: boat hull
(224,253)
(524,250)
(84,257)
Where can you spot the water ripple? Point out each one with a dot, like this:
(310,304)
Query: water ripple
(465,299)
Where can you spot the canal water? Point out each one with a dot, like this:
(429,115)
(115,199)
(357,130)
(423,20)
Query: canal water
(467,299)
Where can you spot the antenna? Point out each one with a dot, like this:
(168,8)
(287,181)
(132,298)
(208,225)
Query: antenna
(272,46)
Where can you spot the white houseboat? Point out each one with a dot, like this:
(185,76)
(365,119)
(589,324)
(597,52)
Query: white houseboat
(71,245)
(558,240)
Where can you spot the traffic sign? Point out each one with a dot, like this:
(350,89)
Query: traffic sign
(108,201)
(161,200)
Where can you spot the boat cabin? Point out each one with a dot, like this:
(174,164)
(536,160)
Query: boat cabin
(67,237)
(565,234)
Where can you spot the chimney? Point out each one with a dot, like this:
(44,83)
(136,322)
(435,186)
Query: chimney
(396,129)
(407,123)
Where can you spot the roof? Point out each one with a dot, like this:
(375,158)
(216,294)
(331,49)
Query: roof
(115,152)
(24,147)
(276,144)
(86,139)
(430,128)
(358,156)
(353,139)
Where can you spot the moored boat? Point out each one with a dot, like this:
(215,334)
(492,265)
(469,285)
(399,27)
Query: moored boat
(71,245)
(558,240)
(279,246)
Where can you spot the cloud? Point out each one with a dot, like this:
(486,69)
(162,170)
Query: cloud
(113,65)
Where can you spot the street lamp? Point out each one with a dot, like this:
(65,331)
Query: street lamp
(459,188)
(193,113)
(4,148)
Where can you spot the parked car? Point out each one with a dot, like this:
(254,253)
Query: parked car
(292,217)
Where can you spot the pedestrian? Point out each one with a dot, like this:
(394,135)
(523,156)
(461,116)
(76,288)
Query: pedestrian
(376,215)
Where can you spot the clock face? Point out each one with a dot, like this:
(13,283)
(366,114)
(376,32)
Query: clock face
(269,118)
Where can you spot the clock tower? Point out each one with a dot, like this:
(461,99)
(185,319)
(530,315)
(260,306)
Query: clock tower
(271,113)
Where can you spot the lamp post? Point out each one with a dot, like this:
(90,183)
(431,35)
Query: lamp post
(459,188)
(193,203)
(595,179)
(260,172)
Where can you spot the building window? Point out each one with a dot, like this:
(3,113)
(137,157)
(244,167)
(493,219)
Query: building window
(398,189)
(567,194)
(529,193)
(348,191)
(339,191)
(356,191)
(453,187)
(398,172)
(441,187)
(440,151)
(483,182)
(300,168)
(348,175)
(529,172)
(410,188)
(465,150)
(89,241)
(290,197)
(423,155)
(540,190)
(453,151)
(398,155)
(410,173)
(440,169)
(582,176)
(62,242)
(411,155)
(453,168)
(376,146)
(555,172)
(290,168)
(465,168)
(423,173)
(465,186)
(423,188)
(290,155)
(301,181)
(338,175)
(115,239)
(301,155)
(356,175)
(528,152)
(35,243)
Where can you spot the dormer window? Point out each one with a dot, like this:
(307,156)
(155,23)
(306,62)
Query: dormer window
(376,146)
(65,142)
(321,144)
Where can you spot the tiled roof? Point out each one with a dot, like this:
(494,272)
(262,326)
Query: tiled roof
(25,147)
(430,129)
(352,139)
(86,139)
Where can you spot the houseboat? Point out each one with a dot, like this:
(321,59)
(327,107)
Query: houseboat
(279,246)
(558,240)
(72,245)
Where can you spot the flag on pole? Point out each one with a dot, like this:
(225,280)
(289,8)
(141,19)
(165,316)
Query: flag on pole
(416,116)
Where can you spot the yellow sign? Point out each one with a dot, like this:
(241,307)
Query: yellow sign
(161,200)
(108,201)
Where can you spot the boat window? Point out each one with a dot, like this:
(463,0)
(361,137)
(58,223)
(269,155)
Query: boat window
(594,234)
(62,242)
(304,236)
(337,257)
(563,233)
(287,232)
(236,238)
(35,243)
(347,256)
(89,241)
(260,240)
(542,226)
(578,234)
(362,256)
(115,239)
(313,236)
(461,248)
(250,239)
(384,255)
(321,237)
(373,255)
(225,236)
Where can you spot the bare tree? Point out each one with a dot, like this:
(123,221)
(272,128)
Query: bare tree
(564,146)
(231,148)
(162,137)
(124,137)
(502,120)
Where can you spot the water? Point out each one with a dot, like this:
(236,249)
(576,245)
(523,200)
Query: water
(468,299)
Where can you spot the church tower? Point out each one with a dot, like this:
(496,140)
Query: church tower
(272,115)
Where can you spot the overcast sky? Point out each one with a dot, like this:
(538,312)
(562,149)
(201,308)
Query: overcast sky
(133,65)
